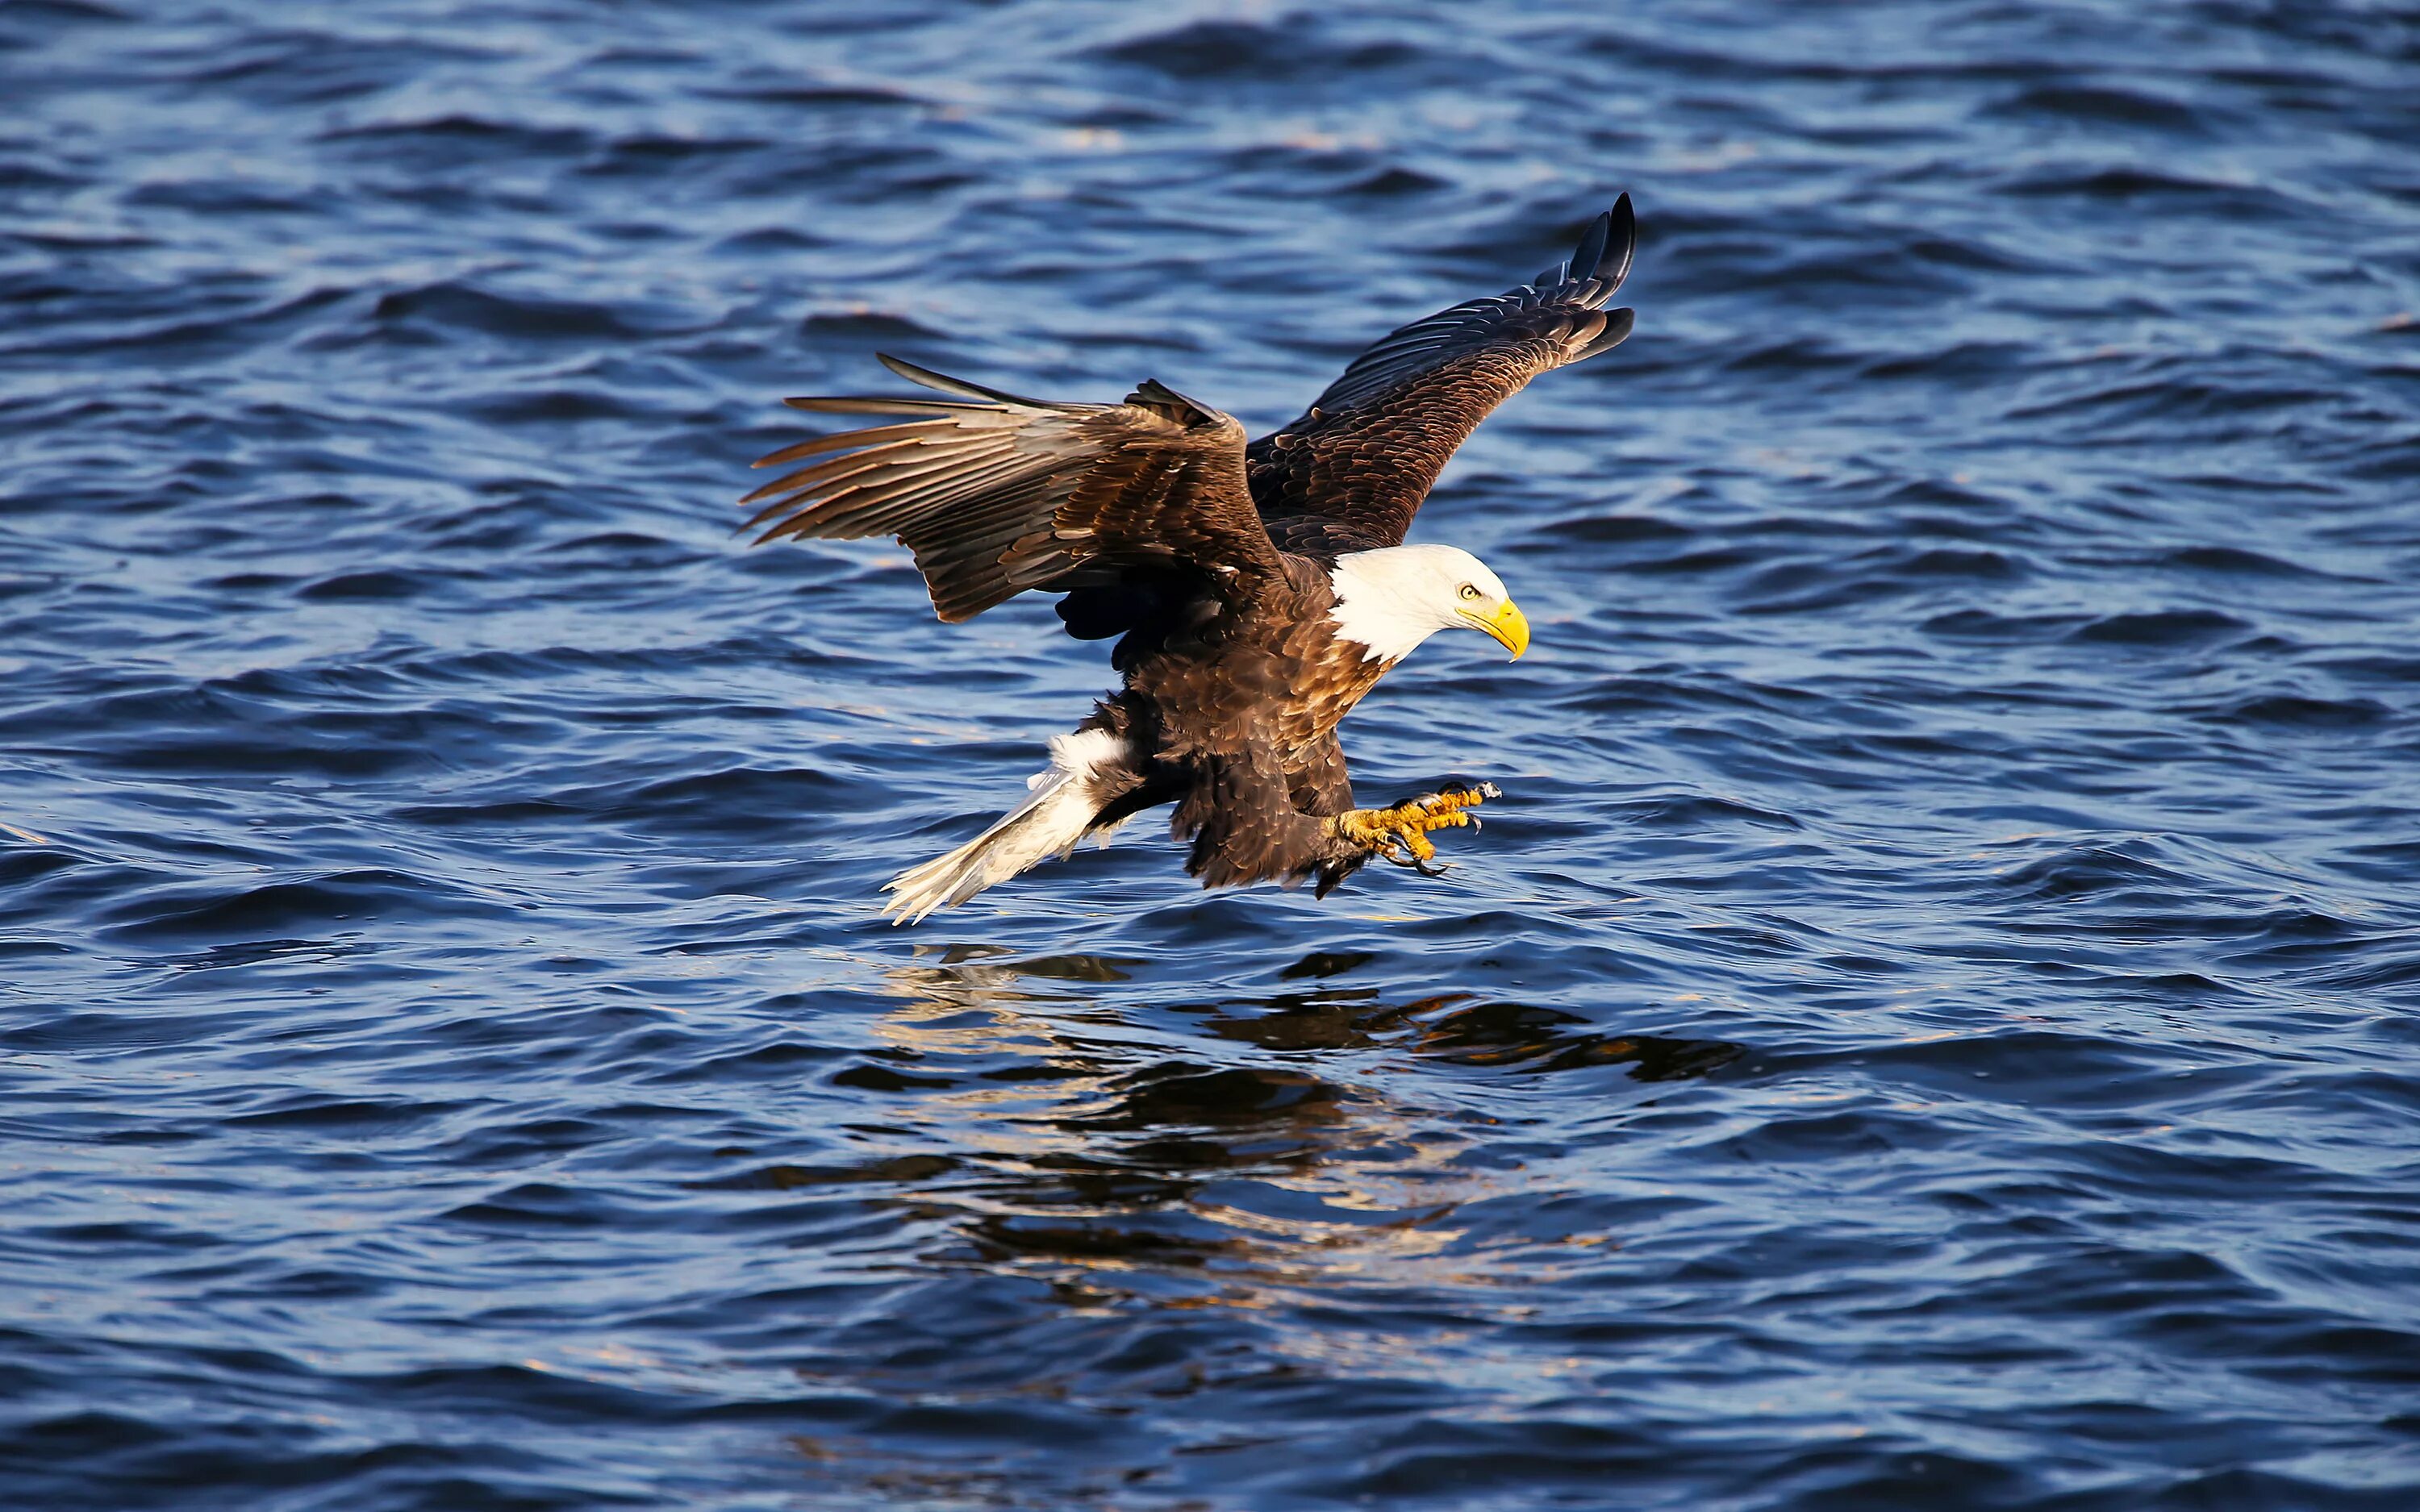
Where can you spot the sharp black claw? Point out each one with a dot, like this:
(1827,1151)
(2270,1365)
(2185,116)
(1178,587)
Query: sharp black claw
(1404,860)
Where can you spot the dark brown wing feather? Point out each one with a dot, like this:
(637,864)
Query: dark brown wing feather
(996,494)
(1350,473)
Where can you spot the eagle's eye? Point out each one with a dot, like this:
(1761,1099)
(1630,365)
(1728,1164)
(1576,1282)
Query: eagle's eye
(1469,591)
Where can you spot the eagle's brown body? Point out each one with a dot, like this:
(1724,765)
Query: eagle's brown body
(1239,714)
(1217,566)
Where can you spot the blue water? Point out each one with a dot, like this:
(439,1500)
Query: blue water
(1936,1021)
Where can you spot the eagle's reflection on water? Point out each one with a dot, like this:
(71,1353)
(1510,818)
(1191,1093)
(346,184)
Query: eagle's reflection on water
(1092,1192)
(1127,1193)
(1099,1146)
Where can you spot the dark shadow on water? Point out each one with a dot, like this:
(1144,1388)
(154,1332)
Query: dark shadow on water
(1534,1039)
(1450,1028)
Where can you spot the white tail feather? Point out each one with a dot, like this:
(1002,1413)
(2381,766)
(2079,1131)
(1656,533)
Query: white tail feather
(1086,771)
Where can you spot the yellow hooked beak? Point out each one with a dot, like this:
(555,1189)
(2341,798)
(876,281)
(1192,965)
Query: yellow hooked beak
(1507,624)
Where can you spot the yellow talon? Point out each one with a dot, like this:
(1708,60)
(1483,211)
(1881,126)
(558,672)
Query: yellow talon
(1401,833)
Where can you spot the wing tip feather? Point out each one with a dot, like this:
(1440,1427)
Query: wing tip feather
(1622,243)
(947,384)
(1616,330)
(1591,251)
(1605,249)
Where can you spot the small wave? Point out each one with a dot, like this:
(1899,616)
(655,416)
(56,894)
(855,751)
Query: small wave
(2297,711)
(452,305)
(2119,107)
(2160,628)
(317,907)
(1249,51)
(866,326)
(378,585)
(460,135)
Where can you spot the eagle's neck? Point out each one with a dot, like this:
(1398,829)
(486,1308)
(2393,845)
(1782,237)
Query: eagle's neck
(1379,605)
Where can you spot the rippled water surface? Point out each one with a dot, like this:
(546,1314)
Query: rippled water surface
(1932,1025)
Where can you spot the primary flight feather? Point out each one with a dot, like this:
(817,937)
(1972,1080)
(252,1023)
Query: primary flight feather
(1256,590)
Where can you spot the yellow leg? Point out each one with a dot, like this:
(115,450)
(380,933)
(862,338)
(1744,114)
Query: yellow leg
(1401,833)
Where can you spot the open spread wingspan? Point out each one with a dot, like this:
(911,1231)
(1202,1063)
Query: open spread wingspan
(1256,597)
(1002,494)
(1349,474)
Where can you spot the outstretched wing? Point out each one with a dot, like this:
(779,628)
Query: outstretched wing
(996,494)
(1350,473)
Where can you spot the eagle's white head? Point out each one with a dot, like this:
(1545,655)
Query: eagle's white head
(1392,599)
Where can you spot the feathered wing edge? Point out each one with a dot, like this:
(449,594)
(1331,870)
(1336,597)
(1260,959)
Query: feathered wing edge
(1595,272)
(996,493)
(1582,282)
(1602,258)
(1351,471)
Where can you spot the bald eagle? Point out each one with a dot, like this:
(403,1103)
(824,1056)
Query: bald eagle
(1255,591)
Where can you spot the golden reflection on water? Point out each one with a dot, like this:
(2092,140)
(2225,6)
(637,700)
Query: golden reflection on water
(1273,1152)
(1286,1162)
(1134,1125)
